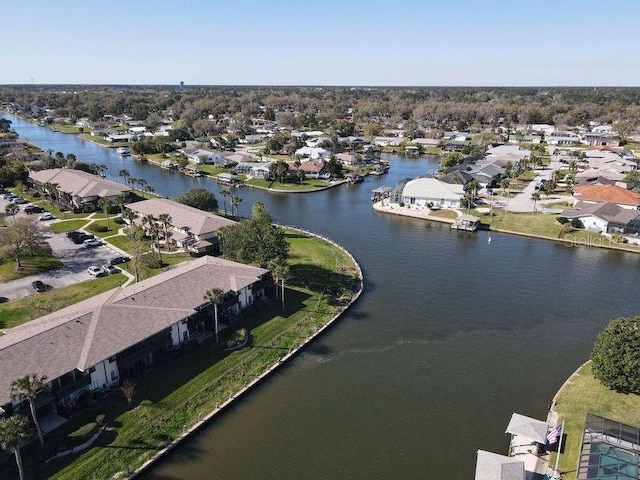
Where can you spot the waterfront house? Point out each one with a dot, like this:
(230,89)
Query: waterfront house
(491,466)
(430,191)
(605,217)
(203,156)
(607,193)
(91,345)
(78,190)
(311,168)
(254,169)
(192,229)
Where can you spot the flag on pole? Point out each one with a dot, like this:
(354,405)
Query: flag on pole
(554,434)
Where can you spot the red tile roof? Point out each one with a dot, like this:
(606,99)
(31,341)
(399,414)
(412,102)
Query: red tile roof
(606,193)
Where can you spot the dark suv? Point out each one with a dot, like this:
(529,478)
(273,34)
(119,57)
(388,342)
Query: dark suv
(78,237)
(30,209)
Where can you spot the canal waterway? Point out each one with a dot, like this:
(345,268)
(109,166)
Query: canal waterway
(452,335)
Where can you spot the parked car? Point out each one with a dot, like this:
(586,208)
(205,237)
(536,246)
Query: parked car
(78,237)
(18,200)
(96,271)
(30,209)
(46,216)
(39,286)
(92,242)
(110,269)
(8,196)
(118,259)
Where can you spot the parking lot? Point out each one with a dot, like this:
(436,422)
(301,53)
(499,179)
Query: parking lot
(77,259)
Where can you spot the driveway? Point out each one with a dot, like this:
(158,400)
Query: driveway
(77,259)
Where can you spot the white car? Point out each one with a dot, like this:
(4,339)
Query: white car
(110,269)
(45,217)
(96,271)
(92,242)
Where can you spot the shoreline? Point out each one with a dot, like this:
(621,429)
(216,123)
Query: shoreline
(220,409)
(596,243)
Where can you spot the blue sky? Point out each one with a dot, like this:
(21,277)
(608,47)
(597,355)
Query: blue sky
(321,42)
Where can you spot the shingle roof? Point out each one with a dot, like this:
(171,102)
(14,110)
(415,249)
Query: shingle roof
(86,333)
(610,212)
(528,427)
(183,216)
(77,182)
(491,466)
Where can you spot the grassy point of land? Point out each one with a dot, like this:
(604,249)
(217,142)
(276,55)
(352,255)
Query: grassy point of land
(308,185)
(584,394)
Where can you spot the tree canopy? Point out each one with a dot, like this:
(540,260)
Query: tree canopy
(255,241)
(616,355)
(200,198)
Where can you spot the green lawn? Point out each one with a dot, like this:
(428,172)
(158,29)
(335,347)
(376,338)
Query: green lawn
(183,387)
(112,226)
(308,185)
(444,214)
(68,225)
(583,394)
(67,128)
(545,225)
(19,311)
(123,242)
(30,266)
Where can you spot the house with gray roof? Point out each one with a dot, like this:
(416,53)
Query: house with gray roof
(491,466)
(93,344)
(605,217)
(191,229)
(79,190)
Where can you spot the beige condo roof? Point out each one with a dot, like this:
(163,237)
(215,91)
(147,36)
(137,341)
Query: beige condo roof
(183,216)
(79,183)
(81,335)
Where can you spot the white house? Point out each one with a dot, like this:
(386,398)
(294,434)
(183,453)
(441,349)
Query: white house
(424,191)
(313,153)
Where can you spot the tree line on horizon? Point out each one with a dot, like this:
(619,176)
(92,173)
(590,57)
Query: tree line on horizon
(202,111)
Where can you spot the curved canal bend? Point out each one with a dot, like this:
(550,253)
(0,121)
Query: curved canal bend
(451,336)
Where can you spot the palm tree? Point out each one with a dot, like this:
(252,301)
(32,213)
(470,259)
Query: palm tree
(12,209)
(26,388)
(225,194)
(215,296)
(235,203)
(104,204)
(299,172)
(280,270)
(154,231)
(14,431)
(49,189)
(535,196)
(165,220)
(504,183)
(125,175)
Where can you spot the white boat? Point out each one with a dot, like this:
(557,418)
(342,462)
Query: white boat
(122,151)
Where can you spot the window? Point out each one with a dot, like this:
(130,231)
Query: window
(112,359)
(114,374)
(92,369)
(185,334)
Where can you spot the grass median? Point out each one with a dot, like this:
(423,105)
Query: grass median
(185,387)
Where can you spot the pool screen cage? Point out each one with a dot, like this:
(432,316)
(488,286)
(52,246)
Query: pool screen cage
(610,450)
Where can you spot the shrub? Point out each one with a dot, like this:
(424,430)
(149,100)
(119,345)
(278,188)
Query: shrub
(100,419)
(84,432)
(562,220)
(401,204)
(119,220)
(616,355)
(577,223)
(97,228)
(152,260)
